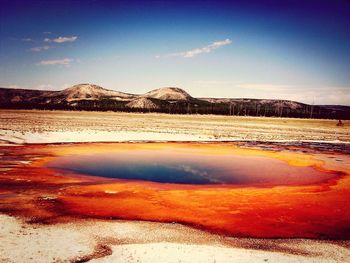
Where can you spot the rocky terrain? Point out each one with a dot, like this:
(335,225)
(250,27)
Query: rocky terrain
(166,100)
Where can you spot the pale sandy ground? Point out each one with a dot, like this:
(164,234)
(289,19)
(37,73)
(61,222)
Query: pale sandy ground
(62,126)
(130,241)
(125,241)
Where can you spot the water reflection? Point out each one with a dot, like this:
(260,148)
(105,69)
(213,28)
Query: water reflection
(181,167)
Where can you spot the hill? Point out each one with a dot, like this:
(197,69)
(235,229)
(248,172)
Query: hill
(169,93)
(91,92)
(142,103)
(168,100)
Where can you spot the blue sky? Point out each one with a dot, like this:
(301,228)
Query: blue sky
(298,50)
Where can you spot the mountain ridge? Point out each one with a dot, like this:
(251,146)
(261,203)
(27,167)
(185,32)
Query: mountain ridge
(167,100)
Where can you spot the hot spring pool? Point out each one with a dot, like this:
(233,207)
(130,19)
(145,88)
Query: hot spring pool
(179,166)
(233,189)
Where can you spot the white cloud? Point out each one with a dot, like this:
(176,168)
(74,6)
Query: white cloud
(12,86)
(61,39)
(197,51)
(27,39)
(65,85)
(244,86)
(46,32)
(318,95)
(38,49)
(311,94)
(65,61)
(42,86)
(264,87)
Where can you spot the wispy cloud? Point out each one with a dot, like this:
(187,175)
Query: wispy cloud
(197,51)
(61,39)
(27,39)
(317,94)
(12,86)
(65,61)
(41,48)
(46,32)
(42,86)
(244,86)
(265,87)
(335,95)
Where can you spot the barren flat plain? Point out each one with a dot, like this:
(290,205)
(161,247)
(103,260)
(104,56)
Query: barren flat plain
(74,126)
(51,215)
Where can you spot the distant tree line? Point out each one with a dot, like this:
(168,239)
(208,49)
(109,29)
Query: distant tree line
(239,107)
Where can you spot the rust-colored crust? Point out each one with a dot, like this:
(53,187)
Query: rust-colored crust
(307,211)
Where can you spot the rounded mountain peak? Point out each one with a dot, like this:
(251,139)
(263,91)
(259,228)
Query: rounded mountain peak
(168,93)
(89,91)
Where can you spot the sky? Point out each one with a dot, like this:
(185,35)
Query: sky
(282,49)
